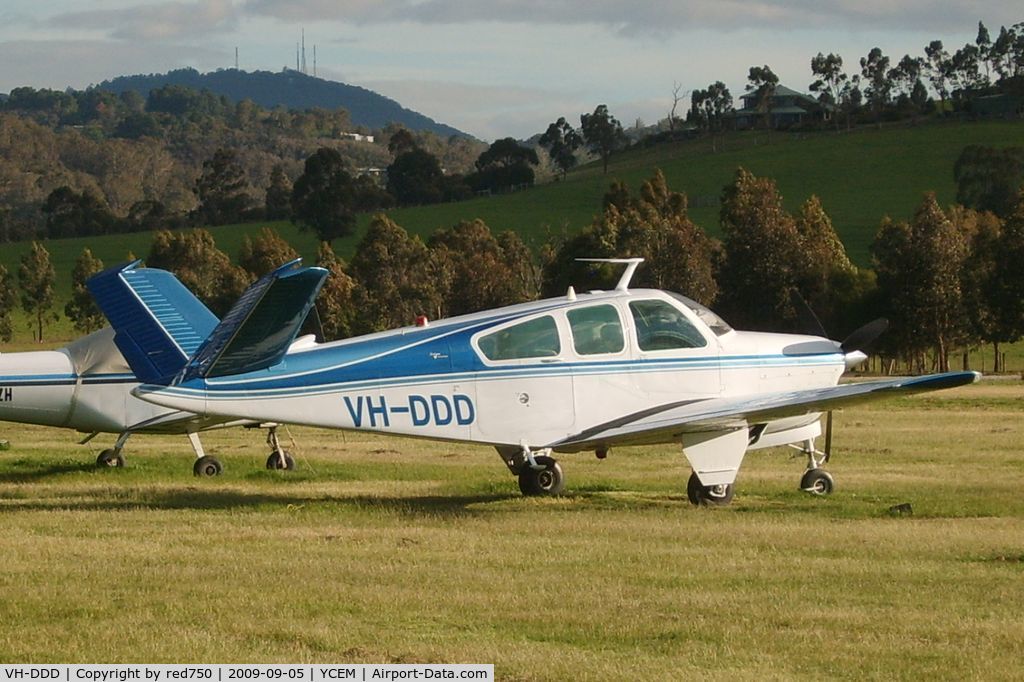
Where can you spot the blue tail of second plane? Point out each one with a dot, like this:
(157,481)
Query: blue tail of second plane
(168,336)
(158,323)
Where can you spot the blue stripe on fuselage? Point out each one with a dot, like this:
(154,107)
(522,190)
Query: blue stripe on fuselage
(439,354)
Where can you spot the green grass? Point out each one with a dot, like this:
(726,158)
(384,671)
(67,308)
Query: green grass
(407,551)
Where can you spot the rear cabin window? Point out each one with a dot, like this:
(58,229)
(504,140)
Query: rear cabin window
(531,339)
(659,326)
(596,330)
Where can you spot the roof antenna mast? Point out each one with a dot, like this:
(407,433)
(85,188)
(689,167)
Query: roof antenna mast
(631,265)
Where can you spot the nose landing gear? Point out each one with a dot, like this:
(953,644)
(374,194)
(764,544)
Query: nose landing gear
(815,480)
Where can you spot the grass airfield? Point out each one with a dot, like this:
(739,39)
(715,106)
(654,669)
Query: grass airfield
(388,550)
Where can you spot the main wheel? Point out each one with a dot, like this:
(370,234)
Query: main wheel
(110,458)
(207,466)
(817,482)
(546,481)
(274,462)
(707,495)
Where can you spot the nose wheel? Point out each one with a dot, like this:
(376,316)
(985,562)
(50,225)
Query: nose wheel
(817,481)
(279,458)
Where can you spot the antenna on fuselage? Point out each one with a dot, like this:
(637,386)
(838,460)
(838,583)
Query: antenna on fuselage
(631,265)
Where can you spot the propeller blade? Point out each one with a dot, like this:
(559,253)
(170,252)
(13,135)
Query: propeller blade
(805,317)
(862,337)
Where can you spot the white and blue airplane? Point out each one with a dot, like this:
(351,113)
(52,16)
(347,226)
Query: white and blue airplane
(582,372)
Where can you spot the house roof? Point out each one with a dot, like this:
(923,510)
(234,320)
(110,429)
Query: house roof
(782,91)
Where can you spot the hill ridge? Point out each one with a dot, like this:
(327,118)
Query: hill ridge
(289,88)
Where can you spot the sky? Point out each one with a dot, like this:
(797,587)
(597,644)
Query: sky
(492,68)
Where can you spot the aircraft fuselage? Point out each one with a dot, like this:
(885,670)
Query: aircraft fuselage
(525,375)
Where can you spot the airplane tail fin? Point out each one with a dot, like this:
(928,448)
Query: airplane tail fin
(254,334)
(159,324)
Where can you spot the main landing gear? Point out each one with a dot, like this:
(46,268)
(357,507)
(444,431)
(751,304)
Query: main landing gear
(205,465)
(707,495)
(112,457)
(539,474)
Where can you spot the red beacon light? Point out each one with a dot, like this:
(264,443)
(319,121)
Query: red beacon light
(422,321)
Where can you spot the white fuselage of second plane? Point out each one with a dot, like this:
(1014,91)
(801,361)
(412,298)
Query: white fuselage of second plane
(86,386)
(528,375)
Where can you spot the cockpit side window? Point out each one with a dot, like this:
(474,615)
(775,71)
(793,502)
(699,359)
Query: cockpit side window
(537,338)
(596,330)
(660,326)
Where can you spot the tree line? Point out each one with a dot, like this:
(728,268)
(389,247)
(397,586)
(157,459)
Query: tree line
(947,279)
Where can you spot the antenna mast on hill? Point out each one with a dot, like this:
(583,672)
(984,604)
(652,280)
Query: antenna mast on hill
(303,51)
(314,60)
(236,58)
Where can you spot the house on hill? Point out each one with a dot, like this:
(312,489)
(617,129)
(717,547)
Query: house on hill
(788,108)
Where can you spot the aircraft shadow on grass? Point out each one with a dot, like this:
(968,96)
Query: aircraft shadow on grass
(29,472)
(200,499)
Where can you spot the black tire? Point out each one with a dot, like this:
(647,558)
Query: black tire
(207,466)
(817,482)
(707,496)
(110,459)
(274,461)
(548,481)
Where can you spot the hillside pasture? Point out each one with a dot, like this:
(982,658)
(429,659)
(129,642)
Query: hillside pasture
(386,550)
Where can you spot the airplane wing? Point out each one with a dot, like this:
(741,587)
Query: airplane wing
(670,421)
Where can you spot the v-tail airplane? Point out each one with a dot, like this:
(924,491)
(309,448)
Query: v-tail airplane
(581,372)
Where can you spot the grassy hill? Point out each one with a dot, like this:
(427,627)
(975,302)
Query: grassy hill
(860,176)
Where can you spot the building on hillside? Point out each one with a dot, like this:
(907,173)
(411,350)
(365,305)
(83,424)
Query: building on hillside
(358,137)
(788,108)
(378,174)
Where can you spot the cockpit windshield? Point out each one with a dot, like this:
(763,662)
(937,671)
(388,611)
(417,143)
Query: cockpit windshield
(715,323)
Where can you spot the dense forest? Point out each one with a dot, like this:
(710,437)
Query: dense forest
(139,157)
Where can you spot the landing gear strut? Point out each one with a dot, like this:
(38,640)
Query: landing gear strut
(279,458)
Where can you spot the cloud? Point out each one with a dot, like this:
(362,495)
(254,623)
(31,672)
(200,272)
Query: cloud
(651,16)
(58,64)
(161,22)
